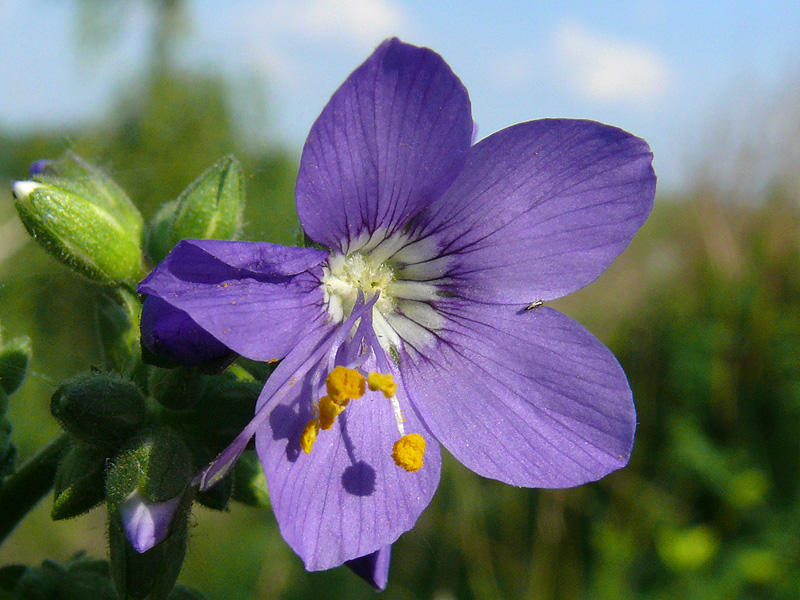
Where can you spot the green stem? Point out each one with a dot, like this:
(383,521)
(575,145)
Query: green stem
(23,490)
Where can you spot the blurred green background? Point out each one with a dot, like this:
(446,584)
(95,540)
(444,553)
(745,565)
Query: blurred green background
(703,312)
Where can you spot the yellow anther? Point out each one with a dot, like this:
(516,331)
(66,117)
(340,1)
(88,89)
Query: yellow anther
(309,435)
(345,384)
(408,451)
(328,411)
(383,383)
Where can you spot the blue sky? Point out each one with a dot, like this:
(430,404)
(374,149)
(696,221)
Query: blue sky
(662,69)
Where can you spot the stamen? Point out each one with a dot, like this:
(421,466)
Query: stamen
(409,451)
(384,383)
(309,435)
(328,411)
(345,384)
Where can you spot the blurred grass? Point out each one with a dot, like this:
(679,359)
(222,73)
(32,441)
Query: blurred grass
(702,311)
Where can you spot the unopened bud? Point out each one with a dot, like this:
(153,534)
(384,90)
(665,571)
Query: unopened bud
(79,215)
(153,468)
(101,409)
(80,481)
(14,358)
(210,208)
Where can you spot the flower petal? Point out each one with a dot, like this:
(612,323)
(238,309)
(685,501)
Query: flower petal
(391,139)
(541,209)
(373,568)
(257,299)
(146,524)
(347,498)
(170,333)
(528,397)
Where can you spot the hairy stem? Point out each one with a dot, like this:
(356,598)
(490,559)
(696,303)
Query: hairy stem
(23,490)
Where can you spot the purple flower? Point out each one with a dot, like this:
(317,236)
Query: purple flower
(146,524)
(423,322)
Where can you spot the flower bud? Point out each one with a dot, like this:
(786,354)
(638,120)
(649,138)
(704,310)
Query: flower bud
(150,574)
(148,505)
(80,481)
(79,215)
(14,358)
(99,408)
(210,208)
(153,469)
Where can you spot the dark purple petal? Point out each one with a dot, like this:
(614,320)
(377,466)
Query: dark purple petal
(541,209)
(391,139)
(170,333)
(347,498)
(146,524)
(373,568)
(527,397)
(257,299)
(38,166)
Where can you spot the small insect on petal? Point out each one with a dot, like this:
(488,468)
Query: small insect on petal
(534,304)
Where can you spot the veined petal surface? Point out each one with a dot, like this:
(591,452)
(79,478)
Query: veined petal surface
(541,209)
(527,397)
(346,498)
(391,139)
(257,299)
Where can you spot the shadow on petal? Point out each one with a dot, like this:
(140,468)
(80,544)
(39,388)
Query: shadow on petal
(287,424)
(359,479)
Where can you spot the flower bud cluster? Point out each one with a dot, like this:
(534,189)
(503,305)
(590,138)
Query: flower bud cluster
(138,425)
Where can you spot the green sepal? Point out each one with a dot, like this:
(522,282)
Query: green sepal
(225,407)
(79,215)
(177,388)
(249,482)
(157,464)
(14,358)
(211,207)
(151,574)
(86,179)
(80,481)
(118,314)
(102,409)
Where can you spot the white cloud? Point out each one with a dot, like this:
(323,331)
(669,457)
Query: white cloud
(359,23)
(608,69)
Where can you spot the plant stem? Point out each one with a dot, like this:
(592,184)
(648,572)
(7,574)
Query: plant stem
(23,490)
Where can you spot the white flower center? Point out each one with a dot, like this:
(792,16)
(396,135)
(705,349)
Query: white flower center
(344,277)
(408,276)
